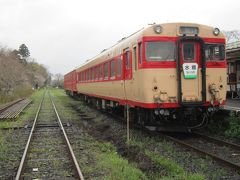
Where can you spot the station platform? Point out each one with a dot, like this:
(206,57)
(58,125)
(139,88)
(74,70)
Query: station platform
(232,104)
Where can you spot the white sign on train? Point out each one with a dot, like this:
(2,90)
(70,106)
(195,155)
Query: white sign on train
(190,70)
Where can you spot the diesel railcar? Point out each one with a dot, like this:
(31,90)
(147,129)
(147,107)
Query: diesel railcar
(166,75)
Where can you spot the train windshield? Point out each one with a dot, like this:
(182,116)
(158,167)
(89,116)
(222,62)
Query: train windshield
(215,52)
(160,51)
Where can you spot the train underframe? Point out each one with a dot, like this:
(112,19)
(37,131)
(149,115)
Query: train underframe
(158,119)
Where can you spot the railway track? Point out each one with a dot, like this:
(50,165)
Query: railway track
(223,152)
(12,111)
(48,153)
(226,153)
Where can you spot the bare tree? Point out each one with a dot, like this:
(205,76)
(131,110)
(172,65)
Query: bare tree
(232,36)
(57,80)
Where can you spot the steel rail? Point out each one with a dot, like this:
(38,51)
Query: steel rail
(68,143)
(218,141)
(20,168)
(9,105)
(217,158)
(14,110)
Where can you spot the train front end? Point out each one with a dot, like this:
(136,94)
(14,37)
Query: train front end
(186,67)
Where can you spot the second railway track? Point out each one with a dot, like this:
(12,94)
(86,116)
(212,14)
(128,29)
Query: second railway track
(48,153)
(224,152)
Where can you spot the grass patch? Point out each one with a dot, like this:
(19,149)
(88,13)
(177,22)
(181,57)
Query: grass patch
(115,166)
(233,130)
(174,170)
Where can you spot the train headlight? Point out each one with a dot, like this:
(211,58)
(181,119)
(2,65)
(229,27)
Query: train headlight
(158,29)
(216,31)
(161,111)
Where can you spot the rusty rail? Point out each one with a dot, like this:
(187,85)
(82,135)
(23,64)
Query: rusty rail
(12,111)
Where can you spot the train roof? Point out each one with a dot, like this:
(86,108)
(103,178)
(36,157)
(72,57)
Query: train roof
(168,29)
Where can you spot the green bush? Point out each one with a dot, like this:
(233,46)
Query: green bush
(219,123)
(234,127)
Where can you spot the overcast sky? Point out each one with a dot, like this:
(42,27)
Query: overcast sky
(62,34)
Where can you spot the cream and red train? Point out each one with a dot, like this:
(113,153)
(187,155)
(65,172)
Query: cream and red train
(168,74)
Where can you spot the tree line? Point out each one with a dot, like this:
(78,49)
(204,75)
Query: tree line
(19,73)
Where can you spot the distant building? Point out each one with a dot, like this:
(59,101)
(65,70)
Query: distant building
(233,62)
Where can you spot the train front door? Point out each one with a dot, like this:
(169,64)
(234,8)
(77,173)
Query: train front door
(190,74)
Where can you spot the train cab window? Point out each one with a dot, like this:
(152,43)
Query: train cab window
(119,69)
(112,69)
(189,51)
(215,52)
(140,53)
(105,70)
(101,71)
(160,51)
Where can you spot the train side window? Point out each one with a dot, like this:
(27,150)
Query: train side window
(82,74)
(112,69)
(135,57)
(105,70)
(127,59)
(119,68)
(189,51)
(92,73)
(88,74)
(96,73)
(100,71)
(140,53)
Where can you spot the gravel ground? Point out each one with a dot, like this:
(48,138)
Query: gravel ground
(11,151)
